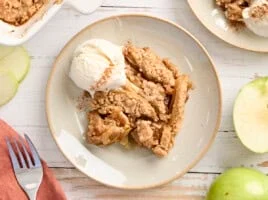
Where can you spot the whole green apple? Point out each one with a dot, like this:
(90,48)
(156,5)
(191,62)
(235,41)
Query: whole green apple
(239,184)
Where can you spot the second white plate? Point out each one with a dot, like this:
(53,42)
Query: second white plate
(214,20)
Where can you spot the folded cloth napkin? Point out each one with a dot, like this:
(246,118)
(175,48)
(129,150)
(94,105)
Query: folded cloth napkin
(49,189)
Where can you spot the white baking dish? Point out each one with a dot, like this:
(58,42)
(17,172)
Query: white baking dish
(15,35)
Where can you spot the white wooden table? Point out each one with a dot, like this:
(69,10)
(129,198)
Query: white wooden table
(26,112)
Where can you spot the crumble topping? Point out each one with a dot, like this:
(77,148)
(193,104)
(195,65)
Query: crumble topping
(150,65)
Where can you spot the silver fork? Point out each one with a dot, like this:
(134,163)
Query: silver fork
(27,165)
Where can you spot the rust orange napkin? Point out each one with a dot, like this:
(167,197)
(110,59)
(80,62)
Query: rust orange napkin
(49,189)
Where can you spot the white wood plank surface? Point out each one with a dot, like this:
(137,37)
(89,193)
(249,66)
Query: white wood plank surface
(26,112)
(190,187)
(144,3)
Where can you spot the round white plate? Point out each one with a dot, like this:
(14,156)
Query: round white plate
(211,16)
(137,168)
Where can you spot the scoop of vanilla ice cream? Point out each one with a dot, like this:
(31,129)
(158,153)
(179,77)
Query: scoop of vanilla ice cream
(98,65)
(257,23)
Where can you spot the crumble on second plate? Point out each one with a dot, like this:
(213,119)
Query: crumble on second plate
(233,9)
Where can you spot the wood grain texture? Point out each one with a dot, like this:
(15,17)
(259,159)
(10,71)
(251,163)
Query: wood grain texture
(26,112)
(79,187)
(143,4)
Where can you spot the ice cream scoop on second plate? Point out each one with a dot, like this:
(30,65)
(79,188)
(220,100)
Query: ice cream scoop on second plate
(135,95)
(256,17)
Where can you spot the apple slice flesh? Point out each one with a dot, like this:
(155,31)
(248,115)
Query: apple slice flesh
(251,115)
(8,86)
(4,51)
(17,62)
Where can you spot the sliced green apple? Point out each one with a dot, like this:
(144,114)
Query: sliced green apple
(5,50)
(17,62)
(251,115)
(8,86)
(239,184)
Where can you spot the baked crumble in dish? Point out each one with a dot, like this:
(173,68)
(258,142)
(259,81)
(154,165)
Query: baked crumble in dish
(148,110)
(18,12)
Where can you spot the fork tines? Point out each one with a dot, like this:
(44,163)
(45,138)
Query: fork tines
(20,157)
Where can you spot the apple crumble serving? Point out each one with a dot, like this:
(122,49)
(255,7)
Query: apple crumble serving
(251,14)
(149,109)
(18,12)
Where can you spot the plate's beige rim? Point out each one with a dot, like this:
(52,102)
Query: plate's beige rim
(202,153)
(218,36)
